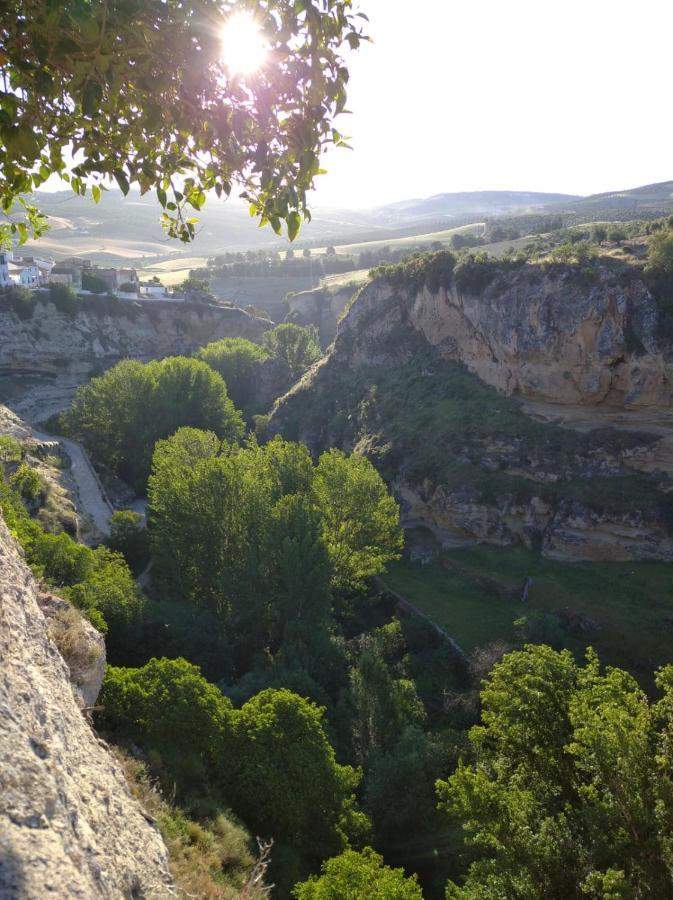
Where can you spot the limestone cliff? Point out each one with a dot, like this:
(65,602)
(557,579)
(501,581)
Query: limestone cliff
(69,827)
(427,374)
(321,307)
(44,340)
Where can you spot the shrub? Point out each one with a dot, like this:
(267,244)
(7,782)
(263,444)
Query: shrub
(64,298)
(27,482)
(10,449)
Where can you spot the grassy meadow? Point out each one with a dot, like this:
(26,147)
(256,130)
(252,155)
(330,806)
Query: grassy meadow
(619,608)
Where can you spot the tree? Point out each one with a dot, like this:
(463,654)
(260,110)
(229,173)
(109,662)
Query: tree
(121,415)
(384,706)
(129,537)
(330,251)
(354,876)
(599,233)
(196,289)
(142,94)
(238,361)
(360,519)
(283,778)
(92,282)
(168,706)
(306,253)
(570,792)
(660,254)
(298,345)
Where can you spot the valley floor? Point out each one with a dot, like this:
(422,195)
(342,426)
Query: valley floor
(622,609)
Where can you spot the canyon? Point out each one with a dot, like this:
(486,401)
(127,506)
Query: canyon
(571,450)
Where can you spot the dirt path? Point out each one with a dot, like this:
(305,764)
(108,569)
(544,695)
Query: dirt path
(91,494)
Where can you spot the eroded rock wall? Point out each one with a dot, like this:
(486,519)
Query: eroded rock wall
(583,348)
(105,331)
(69,827)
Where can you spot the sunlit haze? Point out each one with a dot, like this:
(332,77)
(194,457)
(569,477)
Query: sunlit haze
(570,97)
(243,45)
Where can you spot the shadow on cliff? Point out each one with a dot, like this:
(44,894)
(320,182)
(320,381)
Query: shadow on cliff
(12,881)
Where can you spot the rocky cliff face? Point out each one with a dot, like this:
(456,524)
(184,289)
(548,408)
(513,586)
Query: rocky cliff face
(104,331)
(320,307)
(69,827)
(406,383)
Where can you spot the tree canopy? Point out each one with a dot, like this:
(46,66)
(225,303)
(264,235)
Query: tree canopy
(353,876)
(122,414)
(570,794)
(140,93)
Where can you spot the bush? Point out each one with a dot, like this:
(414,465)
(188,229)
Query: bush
(64,298)
(10,450)
(27,482)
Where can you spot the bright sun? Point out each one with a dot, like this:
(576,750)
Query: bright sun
(243,46)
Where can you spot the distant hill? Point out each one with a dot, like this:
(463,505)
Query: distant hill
(465,204)
(127,230)
(640,202)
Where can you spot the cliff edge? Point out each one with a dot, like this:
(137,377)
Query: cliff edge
(69,827)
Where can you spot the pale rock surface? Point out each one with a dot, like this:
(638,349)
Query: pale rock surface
(584,354)
(69,827)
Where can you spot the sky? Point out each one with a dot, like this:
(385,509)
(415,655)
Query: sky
(569,96)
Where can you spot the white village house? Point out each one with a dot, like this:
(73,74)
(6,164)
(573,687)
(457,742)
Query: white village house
(29,271)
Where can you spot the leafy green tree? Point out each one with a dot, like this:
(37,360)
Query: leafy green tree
(170,708)
(110,589)
(283,778)
(660,254)
(570,792)
(400,790)
(121,415)
(297,345)
(354,876)
(360,519)
(599,233)
(384,706)
(92,282)
(72,73)
(129,537)
(238,361)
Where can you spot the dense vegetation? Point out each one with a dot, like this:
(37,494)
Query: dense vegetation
(121,414)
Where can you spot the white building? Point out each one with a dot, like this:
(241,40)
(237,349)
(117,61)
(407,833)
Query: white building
(28,271)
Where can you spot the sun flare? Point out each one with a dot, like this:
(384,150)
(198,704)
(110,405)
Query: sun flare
(243,46)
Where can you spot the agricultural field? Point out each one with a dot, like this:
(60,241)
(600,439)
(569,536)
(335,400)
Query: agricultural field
(173,271)
(620,608)
(440,237)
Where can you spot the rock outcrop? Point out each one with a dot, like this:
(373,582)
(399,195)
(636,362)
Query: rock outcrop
(321,307)
(69,827)
(103,331)
(582,346)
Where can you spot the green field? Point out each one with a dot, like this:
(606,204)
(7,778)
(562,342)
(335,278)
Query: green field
(618,608)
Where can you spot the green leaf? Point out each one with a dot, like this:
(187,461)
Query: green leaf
(122,181)
(293,225)
(96,193)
